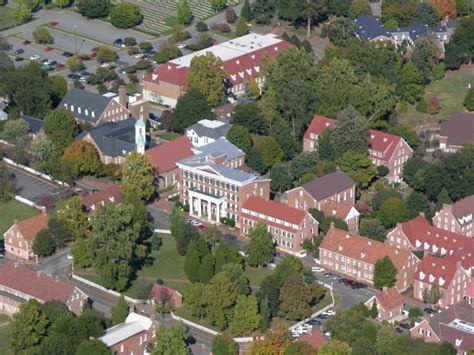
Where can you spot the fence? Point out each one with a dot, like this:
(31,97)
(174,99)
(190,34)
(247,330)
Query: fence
(29,203)
(34,172)
(163,231)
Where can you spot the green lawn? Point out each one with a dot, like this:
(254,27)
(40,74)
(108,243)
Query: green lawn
(185,313)
(12,210)
(168,136)
(4,341)
(6,18)
(257,275)
(450,92)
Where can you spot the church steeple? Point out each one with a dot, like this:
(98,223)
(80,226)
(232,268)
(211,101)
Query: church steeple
(140,136)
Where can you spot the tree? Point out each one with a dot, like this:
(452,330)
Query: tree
(206,269)
(246,318)
(105,55)
(358,166)
(262,11)
(240,137)
(93,8)
(28,326)
(242,28)
(260,249)
(334,347)
(74,63)
(341,30)
(447,348)
(411,82)
(60,128)
(443,198)
(372,228)
(7,185)
(407,133)
(92,346)
(21,13)
(224,344)
(359,8)
(418,202)
(81,158)
(117,243)
(425,56)
(43,245)
(191,264)
(426,13)
(445,7)
(462,8)
(385,273)
(119,312)
(218,5)
(167,51)
(71,213)
(16,132)
(42,35)
(207,77)
(281,131)
(182,232)
(183,13)
(191,108)
(350,133)
(137,176)
(80,253)
(125,15)
(469,100)
(270,152)
(280,177)
(302,164)
(393,211)
(432,295)
(312,11)
(213,237)
(171,340)
(460,48)
(248,115)
(194,298)
(58,89)
(246,12)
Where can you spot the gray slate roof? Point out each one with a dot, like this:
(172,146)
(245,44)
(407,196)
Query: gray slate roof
(85,100)
(329,185)
(214,133)
(229,173)
(218,148)
(35,123)
(459,129)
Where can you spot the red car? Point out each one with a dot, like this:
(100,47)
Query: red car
(200,227)
(93,55)
(48,49)
(54,23)
(26,42)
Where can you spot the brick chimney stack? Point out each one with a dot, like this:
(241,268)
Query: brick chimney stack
(122,94)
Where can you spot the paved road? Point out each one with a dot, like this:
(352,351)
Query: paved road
(55,264)
(160,218)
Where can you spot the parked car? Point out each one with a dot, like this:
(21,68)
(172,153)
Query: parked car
(70,257)
(54,23)
(200,227)
(317,269)
(328,275)
(60,66)
(429,310)
(20,51)
(331,312)
(26,42)
(181,45)
(18,59)
(358,285)
(323,316)
(67,54)
(35,57)
(118,43)
(48,49)
(139,56)
(72,76)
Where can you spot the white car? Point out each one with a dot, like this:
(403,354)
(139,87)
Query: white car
(105,65)
(139,55)
(35,57)
(331,312)
(317,269)
(181,45)
(328,334)
(70,257)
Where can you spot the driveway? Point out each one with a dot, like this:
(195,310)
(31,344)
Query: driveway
(55,264)
(161,219)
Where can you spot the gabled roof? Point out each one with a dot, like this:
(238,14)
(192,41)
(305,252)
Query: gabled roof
(329,185)
(236,175)
(86,100)
(165,156)
(389,298)
(274,209)
(459,129)
(318,125)
(370,27)
(111,194)
(212,129)
(436,271)
(363,249)
(29,228)
(339,210)
(463,210)
(35,123)
(219,148)
(470,290)
(33,283)
(383,142)
(133,325)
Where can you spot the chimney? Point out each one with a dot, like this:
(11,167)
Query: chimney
(122,94)
(15,221)
(385,289)
(422,214)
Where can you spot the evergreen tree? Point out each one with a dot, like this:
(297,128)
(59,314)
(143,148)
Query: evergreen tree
(246,318)
(246,12)
(260,249)
(191,264)
(418,202)
(443,198)
(206,268)
(119,311)
(469,100)
(281,131)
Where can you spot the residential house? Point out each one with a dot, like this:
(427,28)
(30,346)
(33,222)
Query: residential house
(132,336)
(418,235)
(206,131)
(344,212)
(215,184)
(163,294)
(115,140)
(289,226)
(19,238)
(164,158)
(19,284)
(97,109)
(454,325)
(354,256)
(35,124)
(389,305)
(456,132)
(94,200)
(457,217)
(336,186)
(317,126)
(442,276)
(242,61)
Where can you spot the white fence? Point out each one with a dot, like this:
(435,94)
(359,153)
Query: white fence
(34,172)
(110,292)
(162,231)
(29,203)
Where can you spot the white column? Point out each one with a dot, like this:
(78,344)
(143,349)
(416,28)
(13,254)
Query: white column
(218,214)
(191,205)
(209,211)
(199,207)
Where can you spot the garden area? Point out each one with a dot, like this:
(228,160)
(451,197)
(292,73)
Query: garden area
(450,92)
(12,210)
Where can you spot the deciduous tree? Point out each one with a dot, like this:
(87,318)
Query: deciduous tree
(171,340)
(43,245)
(445,7)
(242,28)
(60,128)
(260,249)
(16,132)
(71,212)
(385,273)
(183,12)
(138,176)
(426,13)
(125,15)
(372,228)
(359,8)
(7,185)
(246,318)
(93,346)
(93,8)
(119,311)
(28,327)
(190,108)
(270,152)
(224,344)
(207,77)
(280,177)
(81,158)
(393,211)
(359,166)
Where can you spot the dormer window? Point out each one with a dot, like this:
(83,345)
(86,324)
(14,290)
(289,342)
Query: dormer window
(422,275)
(79,110)
(93,113)
(87,112)
(72,108)
(442,281)
(431,278)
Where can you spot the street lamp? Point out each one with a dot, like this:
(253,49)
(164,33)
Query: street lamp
(75,40)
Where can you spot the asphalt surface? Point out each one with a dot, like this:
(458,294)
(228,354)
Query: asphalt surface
(160,219)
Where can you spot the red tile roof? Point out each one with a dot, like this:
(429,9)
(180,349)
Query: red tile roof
(274,209)
(463,210)
(318,125)
(470,290)
(33,283)
(363,249)
(336,209)
(383,142)
(314,338)
(112,194)
(390,298)
(424,236)
(165,156)
(29,228)
(435,270)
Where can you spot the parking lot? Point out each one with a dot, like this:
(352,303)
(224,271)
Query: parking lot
(33,49)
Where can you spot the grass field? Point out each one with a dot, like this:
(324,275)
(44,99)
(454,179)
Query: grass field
(6,18)
(450,92)
(4,347)
(14,210)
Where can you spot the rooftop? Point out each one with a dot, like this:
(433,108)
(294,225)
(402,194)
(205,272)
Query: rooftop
(389,298)
(165,156)
(29,228)
(435,270)
(339,210)
(274,209)
(212,129)
(329,185)
(111,194)
(35,124)
(318,125)
(219,148)
(459,129)
(91,104)
(134,324)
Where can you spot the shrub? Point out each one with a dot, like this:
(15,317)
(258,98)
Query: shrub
(433,106)
(438,71)
(230,16)
(201,27)
(469,100)
(130,41)
(421,106)
(181,35)
(133,50)
(228,221)
(130,69)
(142,64)
(221,27)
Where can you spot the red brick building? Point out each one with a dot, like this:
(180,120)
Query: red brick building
(337,186)
(418,235)
(446,275)
(389,305)
(163,294)
(19,284)
(132,336)
(355,257)
(242,61)
(94,200)
(343,211)
(289,226)
(457,217)
(384,149)
(20,237)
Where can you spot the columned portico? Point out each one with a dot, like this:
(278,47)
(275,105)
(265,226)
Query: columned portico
(205,206)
